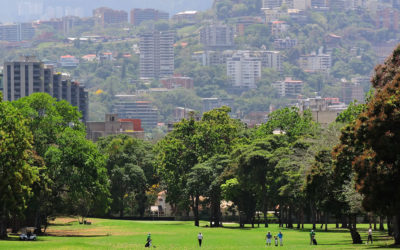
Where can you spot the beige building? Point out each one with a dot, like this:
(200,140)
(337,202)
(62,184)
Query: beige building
(114,126)
(323,110)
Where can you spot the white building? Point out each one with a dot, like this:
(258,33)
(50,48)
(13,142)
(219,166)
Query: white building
(316,62)
(243,70)
(271,59)
(288,87)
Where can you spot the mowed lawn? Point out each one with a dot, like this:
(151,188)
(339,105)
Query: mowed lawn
(66,233)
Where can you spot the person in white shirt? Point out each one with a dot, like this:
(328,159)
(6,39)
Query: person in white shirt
(369,235)
(200,238)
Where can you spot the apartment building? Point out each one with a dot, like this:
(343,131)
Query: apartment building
(156,54)
(177,81)
(387,18)
(16,32)
(189,16)
(128,107)
(112,125)
(106,16)
(271,4)
(270,59)
(351,91)
(140,15)
(29,75)
(316,62)
(217,36)
(289,87)
(284,43)
(212,57)
(243,70)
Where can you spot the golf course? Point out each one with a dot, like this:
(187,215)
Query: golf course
(67,233)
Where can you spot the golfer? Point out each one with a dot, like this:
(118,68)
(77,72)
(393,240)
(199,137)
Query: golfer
(200,238)
(148,241)
(312,237)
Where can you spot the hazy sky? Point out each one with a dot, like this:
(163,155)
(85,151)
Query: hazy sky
(28,10)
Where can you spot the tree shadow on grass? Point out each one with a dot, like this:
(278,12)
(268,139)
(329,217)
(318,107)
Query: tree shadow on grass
(77,235)
(237,228)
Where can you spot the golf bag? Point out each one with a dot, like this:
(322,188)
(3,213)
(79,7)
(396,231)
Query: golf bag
(314,241)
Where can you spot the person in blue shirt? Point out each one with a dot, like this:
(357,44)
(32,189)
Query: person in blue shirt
(280,236)
(268,237)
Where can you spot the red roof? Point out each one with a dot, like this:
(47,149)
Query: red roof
(67,56)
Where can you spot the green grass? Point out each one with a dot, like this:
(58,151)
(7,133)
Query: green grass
(118,234)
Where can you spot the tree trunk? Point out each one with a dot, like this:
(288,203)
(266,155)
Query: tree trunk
(290,221)
(313,217)
(344,221)
(326,221)
(337,222)
(196,211)
(121,206)
(355,221)
(389,226)
(266,218)
(381,225)
(3,223)
(374,220)
(396,229)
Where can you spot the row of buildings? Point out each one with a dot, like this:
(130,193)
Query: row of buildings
(106,16)
(28,75)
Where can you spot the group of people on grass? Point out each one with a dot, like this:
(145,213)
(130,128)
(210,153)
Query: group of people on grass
(268,238)
(279,236)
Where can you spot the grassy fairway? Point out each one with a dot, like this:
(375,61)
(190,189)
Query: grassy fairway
(112,234)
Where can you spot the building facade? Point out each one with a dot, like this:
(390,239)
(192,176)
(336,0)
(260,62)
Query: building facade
(177,81)
(289,87)
(316,62)
(28,76)
(140,15)
(217,36)
(106,16)
(156,54)
(112,125)
(127,107)
(243,70)
(16,32)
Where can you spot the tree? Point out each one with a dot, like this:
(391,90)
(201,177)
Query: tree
(374,145)
(16,172)
(192,142)
(81,172)
(130,169)
(289,121)
(256,169)
(48,119)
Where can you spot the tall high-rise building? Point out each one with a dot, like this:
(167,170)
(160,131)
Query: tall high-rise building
(29,75)
(140,15)
(104,16)
(217,36)
(157,54)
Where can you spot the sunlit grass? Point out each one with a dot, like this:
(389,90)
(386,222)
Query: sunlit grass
(67,233)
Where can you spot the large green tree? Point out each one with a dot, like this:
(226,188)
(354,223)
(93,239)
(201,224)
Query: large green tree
(373,147)
(17,173)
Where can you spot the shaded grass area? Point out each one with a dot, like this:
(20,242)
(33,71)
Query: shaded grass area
(67,233)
